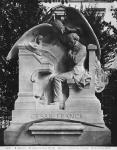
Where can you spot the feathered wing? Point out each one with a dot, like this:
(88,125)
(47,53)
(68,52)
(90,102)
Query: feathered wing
(77,19)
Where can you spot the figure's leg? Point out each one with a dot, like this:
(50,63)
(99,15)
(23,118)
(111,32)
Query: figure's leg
(58,95)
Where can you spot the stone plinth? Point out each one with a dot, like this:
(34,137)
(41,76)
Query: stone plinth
(61,133)
(66,133)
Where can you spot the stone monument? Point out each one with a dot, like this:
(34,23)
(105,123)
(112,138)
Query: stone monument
(39,120)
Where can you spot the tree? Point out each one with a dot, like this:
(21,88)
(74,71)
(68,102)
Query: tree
(16,17)
(106,34)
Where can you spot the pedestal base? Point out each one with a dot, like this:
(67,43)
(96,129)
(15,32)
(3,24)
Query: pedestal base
(57,134)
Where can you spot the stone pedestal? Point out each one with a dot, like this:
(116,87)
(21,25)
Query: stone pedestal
(34,123)
(66,133)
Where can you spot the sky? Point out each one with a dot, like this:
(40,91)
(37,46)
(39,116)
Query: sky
(108,14)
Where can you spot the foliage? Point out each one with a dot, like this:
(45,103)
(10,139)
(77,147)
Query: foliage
(8,84)
(16,17)
(106,34)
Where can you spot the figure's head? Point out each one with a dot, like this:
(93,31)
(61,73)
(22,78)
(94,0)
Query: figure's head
(58,25)
(72,38)
(38,38)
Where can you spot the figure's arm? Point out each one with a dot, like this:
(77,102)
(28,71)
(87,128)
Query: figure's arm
(80,56)
(72,30)
(35,48)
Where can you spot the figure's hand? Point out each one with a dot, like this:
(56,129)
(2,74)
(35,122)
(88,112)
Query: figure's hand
(30,46)
(33,45)
(70,53)
(38,53)
(51,77)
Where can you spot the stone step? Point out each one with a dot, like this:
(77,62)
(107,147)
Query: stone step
(35,105)
(56,127)
(91,136)
(83,104)
(24,105)
(78,103)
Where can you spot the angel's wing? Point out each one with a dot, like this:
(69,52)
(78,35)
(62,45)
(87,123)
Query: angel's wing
(77,19)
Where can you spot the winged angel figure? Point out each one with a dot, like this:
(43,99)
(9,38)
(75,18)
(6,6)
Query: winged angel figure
(73,34)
